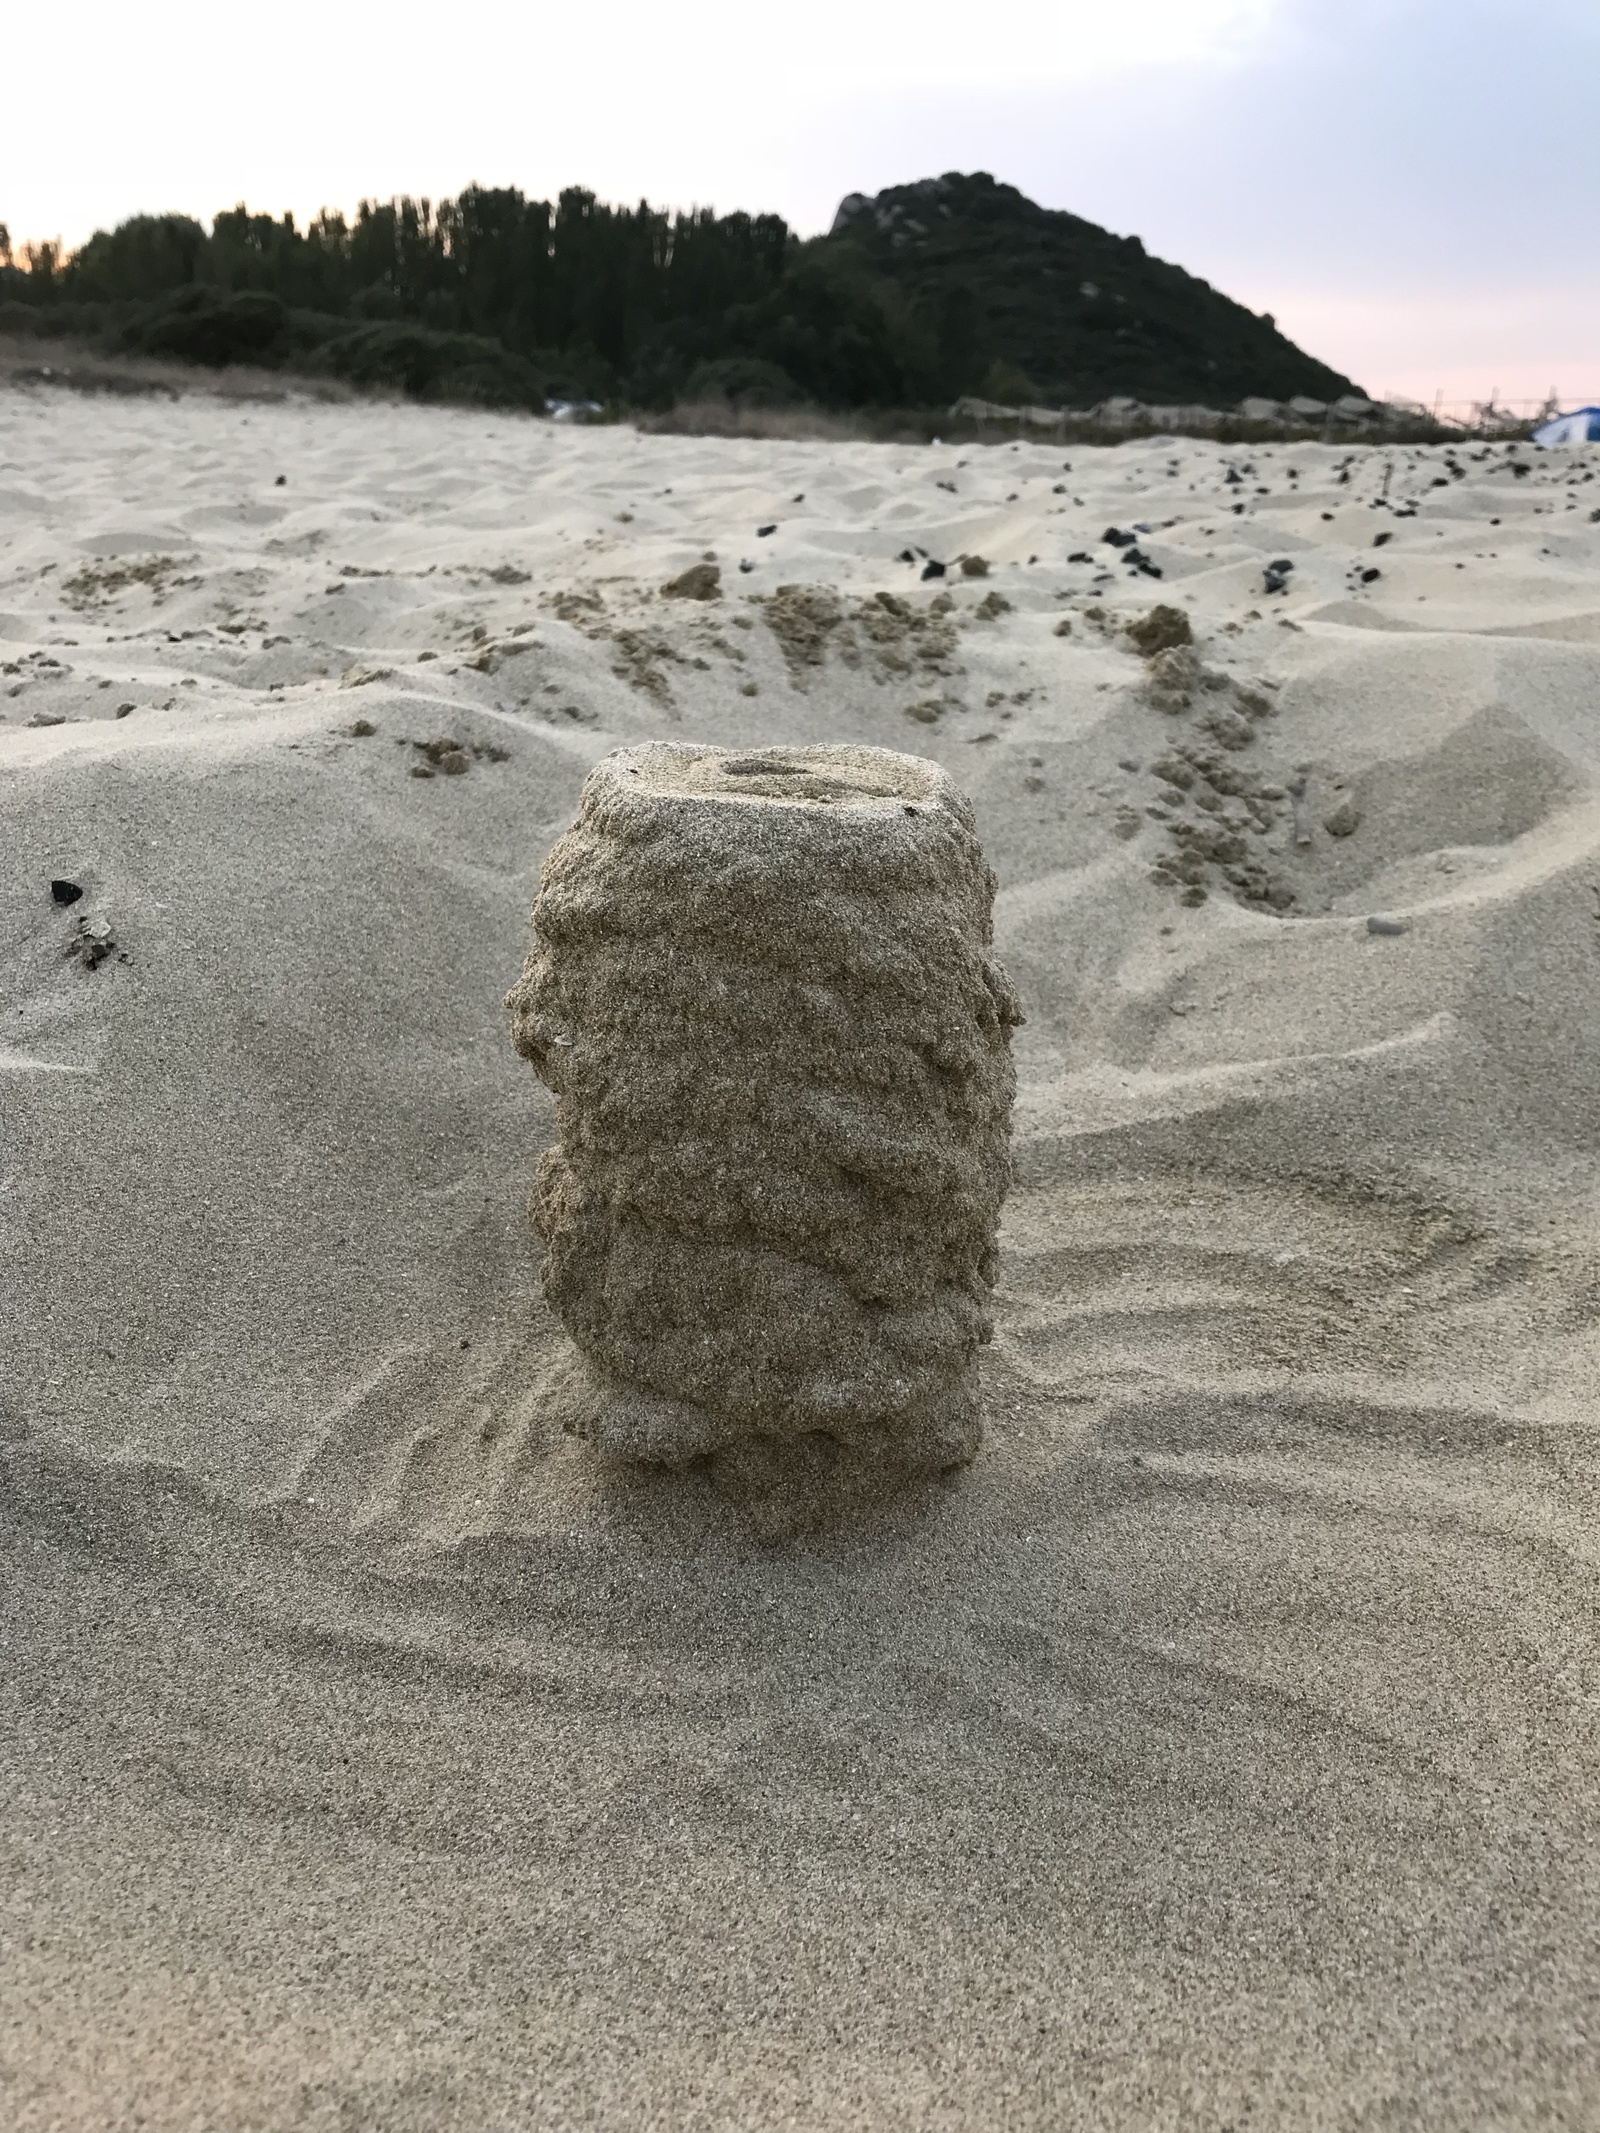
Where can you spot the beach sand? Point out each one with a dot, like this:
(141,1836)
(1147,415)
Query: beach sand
(1219,1749)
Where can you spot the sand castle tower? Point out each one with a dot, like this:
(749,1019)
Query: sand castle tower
(762,992)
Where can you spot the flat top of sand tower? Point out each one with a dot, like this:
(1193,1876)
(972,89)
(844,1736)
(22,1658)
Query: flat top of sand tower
(840,776)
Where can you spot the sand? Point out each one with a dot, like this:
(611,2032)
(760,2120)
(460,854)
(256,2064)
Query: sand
(1219,1748)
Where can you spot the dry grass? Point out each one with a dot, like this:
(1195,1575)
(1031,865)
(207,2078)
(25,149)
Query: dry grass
(717,418)
(28,361)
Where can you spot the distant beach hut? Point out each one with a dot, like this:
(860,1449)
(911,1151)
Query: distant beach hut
(1580,427)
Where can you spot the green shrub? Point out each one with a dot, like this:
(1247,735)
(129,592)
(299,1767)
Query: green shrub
(435,366)
(1010,387)
(205,326)
(743,381)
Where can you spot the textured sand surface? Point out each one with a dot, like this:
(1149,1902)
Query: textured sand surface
(1219,1748)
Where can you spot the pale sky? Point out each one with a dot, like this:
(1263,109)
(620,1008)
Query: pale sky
(1409,186)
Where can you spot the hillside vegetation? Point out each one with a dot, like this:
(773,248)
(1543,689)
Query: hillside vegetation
(954,285)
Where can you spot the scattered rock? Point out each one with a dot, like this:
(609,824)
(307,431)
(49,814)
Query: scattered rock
(992,606)
(974,566)
(1114,537)
(763,531)
(930,569)
(1387,926)
(65,892)
(123,710)
(362,730)
(701,581)
(1344,821)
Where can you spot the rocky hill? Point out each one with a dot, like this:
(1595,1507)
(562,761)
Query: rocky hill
(1023,302)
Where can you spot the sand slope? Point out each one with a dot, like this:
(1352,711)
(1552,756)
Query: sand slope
(1221,1747)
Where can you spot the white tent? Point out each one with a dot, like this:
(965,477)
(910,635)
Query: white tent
(1580,427)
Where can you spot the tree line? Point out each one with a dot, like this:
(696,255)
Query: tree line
(581,298)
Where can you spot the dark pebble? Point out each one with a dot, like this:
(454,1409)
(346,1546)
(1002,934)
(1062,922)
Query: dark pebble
(65,892)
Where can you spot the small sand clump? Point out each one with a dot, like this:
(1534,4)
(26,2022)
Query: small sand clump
(701,581)
(1162,630)
(762,993)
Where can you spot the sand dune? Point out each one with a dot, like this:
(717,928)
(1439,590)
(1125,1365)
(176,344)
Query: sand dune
(1219,1748)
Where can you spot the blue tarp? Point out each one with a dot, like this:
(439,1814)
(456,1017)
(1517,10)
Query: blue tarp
(1580,427)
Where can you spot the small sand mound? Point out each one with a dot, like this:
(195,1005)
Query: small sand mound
(701,581)
(1162,630)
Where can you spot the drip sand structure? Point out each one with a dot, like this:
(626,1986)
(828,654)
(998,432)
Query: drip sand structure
(761,989)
